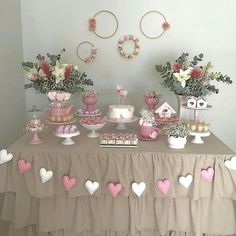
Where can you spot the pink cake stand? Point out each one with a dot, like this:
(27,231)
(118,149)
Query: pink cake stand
(35,139)
(35,128)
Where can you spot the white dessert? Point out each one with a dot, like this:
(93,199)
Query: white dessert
(120,112)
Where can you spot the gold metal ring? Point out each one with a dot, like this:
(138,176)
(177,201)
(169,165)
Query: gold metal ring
(141,28)
(104,36)
(92,55)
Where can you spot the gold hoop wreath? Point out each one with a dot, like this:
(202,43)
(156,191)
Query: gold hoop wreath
(93,23)
(165,25)
(92,55)
(121,42)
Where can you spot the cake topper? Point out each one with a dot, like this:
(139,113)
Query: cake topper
(122,93)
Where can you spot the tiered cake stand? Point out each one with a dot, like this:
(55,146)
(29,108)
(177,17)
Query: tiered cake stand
(93,129)
(67,138)
(121,124)
(198,135)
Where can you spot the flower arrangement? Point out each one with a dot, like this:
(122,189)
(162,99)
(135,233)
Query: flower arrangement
(184,77)
(51,75)
(177,130)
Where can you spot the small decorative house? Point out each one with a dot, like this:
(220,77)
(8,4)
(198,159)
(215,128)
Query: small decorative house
(202,103)
(192,102)
(165,110)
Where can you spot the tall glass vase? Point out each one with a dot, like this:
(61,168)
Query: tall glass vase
(184,114)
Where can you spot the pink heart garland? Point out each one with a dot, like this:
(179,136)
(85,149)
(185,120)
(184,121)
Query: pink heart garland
(23,166)
(208,174)
(163,185)
(114,189)
(68,182)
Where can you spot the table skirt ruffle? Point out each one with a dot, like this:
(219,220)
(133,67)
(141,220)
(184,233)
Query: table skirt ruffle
(129,215)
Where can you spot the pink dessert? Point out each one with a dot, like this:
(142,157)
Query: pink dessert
(66,129)
(92,121)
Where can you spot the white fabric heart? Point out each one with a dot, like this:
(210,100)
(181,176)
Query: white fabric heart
(231,164)
(138,188)
(91,186)
(4,156)
(186,180)
(45,175)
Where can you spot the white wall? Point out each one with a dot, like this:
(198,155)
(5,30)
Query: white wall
(12,97)
(196,26)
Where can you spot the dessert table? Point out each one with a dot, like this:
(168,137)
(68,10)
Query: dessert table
(207,206)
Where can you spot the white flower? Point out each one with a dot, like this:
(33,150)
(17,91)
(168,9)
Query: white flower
(182,76)
(58,73)
(76,68)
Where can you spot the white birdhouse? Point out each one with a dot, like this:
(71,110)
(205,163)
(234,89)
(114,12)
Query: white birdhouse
(192,102)
(165,110)
(202,103)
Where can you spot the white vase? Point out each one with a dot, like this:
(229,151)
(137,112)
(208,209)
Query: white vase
(184,114)
(176,143)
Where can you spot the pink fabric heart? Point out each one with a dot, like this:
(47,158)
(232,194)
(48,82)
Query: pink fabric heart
(163,185)
(23,166)
(68,182)
(208,174)
(114,189)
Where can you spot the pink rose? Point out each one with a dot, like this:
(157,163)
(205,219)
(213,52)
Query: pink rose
(32,77)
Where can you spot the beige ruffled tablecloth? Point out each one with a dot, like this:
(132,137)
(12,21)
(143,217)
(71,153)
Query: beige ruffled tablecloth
(36,209)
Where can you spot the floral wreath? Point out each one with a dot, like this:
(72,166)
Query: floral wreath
(92,55)
(121,42)
(165,25)
(93,24)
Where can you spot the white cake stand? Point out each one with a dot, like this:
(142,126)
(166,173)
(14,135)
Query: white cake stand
(121,124)
(199,136)
(93,128)
(67,138)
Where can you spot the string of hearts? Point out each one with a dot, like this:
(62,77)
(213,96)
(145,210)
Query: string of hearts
(163,185)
